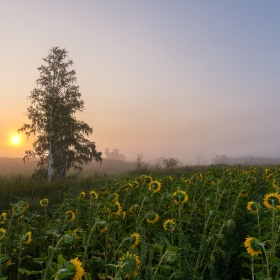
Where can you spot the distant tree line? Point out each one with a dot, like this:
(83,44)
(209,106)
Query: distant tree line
(115,154)
(249,160)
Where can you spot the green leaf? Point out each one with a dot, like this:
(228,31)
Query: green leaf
(161,277)
(173,248)
(114,267)
(54,266)
(62,275)
(219,236)
(159,248)
(177,274)
(87,276)
(22,270)
(164,268)
(275,261)
(60,260)
(34,272)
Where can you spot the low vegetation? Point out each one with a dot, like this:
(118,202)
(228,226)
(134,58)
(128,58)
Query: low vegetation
(214,223)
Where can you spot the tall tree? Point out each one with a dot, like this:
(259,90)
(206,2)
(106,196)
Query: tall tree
(61,142)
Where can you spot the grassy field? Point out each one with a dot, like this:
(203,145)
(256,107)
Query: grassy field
(186,223)
(110,166)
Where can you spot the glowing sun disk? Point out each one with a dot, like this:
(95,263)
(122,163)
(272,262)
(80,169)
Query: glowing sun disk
(15,140)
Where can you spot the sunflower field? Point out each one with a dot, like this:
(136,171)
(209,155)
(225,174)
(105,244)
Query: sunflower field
(222,223)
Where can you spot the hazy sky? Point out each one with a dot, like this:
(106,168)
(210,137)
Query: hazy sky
(165,78)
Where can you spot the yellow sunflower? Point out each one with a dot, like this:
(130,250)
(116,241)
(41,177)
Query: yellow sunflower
(272,200)
(69,216)
(134,208)
(82,195)
(154,186)
(44,202)
(134,240)
(27,238)
(253,206)
(102,226)
(130,265)
(135,184)
(252,246)
(169,225)
(21,217)
(244,194)
(180,197)
(93,194)
(2,233)
(103,190)
(25,205)
(114,197)
(146,179)
(123,215)
(3,217)
(9,262)
(78,233)
(169,178)
(126,187)
(152,218)
(117,209)
(79,271)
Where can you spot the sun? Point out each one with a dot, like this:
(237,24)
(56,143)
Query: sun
(15,140)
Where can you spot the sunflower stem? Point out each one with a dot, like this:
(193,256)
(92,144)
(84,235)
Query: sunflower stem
(87,244)
(116,251)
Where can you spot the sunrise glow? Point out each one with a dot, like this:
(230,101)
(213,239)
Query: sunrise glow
(15,140)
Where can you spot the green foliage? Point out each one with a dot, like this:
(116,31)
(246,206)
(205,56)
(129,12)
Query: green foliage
(61,142)
(113,232)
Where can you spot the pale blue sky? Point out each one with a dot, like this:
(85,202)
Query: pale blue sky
(165,78)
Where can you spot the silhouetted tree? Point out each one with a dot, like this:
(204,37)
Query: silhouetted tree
(139,162)
(170,163)
(61,142)
(115,154)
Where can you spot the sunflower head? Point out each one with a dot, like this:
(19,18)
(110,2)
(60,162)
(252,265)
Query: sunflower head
(130,265)
(253,206)
(93,194)
(152,217)
(244,193)
(253,246)
(82,195)
(18,210)
(114,197)
(44,202)
(126,187)
(103,190)
(3,217)
(146,179)
(116,208)
(2,233)
(8,262)
(134,208)
(69,216)
(169,225)
(135,184)
(78,233)
(74,267)
(27,238)
(102,226)
(169,178)
(154,186)
(134,240)
(272,200)
(123,215)
(180,197)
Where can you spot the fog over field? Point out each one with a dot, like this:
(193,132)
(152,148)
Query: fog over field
(183,79)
